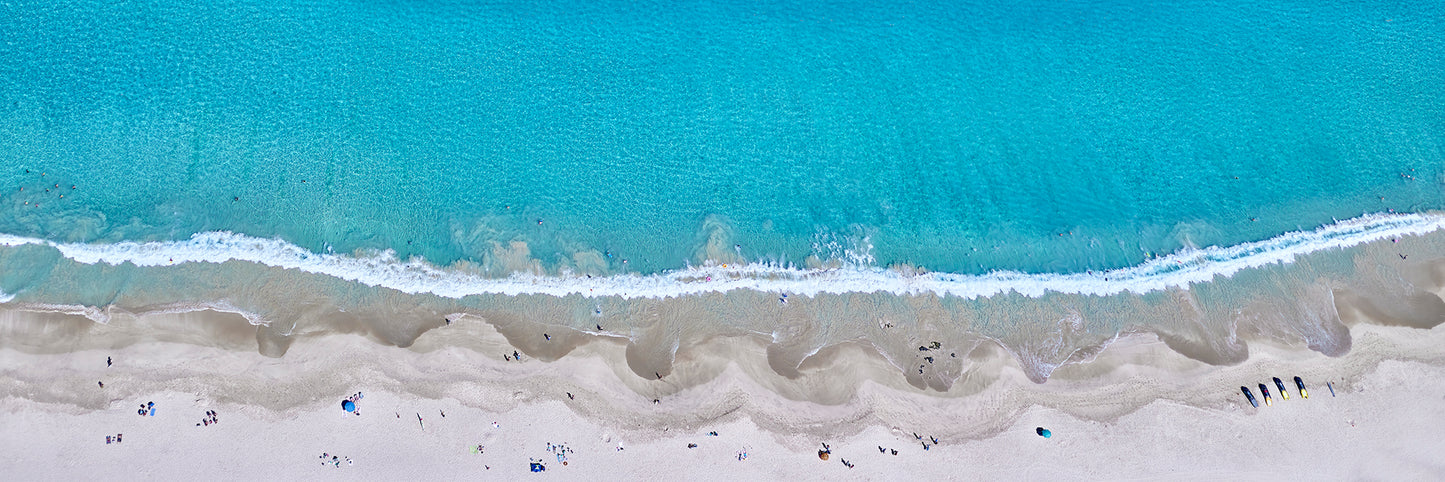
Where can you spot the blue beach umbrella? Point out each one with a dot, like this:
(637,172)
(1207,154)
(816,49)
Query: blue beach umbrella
(348,405)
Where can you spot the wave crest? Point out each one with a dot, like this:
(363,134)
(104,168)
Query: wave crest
(416,276)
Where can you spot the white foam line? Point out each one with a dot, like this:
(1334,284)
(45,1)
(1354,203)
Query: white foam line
(1177,270)
(94,313)
(216,306)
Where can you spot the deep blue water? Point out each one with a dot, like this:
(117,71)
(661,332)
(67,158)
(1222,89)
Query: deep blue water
(963,137)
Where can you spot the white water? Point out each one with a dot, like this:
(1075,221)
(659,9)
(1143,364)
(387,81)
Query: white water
(1178,270)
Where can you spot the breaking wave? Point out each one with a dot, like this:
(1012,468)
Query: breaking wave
(416,276)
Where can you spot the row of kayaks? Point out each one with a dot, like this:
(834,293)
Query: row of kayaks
(1283,393)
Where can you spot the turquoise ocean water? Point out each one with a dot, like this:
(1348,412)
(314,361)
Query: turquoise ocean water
(1039,138)
(959,137)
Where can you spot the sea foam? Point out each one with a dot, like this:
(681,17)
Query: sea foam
(416,276)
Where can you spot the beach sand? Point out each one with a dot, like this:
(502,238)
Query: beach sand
(1136,410)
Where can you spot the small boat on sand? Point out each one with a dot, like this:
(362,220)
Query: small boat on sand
(1280,385)
(1265,390)
(1250,396)
(1300,384)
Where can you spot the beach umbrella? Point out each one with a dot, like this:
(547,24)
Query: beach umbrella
(348,405)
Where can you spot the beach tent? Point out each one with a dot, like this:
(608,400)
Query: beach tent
(348,405)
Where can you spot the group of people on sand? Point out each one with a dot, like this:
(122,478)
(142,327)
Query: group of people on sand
(926,445)
(355,400)
(147,408)
(827,451)
(560,451)
(335,460)
(107,365)
(210,419)
(115,438)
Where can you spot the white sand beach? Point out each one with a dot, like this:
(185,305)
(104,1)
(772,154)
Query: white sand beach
(1136,411)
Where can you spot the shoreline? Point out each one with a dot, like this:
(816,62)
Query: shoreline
(724,273)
